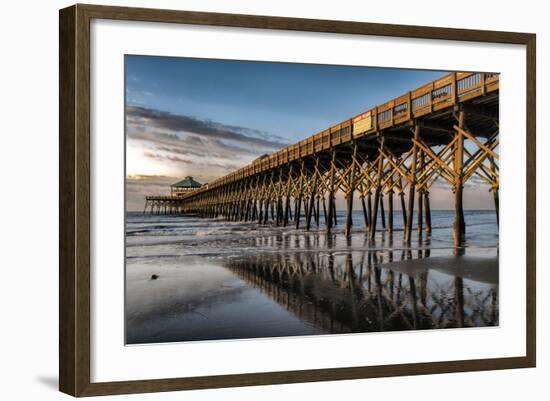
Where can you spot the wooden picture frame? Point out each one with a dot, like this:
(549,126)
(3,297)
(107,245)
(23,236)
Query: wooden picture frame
(74,203)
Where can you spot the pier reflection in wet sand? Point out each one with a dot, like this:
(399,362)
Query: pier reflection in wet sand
(238,283)
(354,291)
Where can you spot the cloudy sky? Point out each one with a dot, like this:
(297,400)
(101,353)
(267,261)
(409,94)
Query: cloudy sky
(206,118)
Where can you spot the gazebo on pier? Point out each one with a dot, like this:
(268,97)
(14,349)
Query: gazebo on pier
(184,186)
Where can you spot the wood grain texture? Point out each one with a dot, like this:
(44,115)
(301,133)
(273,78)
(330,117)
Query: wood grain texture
(531,228)
(67,131)
(74,198)
(300,24)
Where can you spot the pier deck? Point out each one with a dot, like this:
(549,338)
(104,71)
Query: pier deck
(401,148)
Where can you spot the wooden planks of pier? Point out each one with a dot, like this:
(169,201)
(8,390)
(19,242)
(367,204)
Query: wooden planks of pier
(392,153)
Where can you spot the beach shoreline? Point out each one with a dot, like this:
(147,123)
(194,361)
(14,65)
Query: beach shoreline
(219,280)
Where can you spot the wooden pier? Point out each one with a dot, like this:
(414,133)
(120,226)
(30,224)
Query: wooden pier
(393,152)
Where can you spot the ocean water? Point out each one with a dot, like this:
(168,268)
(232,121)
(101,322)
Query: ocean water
(217,280)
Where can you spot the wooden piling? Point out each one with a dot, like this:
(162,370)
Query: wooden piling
(247,210)
(299,199)
(497,206)
(317,211)
(325,210)
(420,214)
(378,188)
(420,196)
(286,212)
(312,196)
(334,214)
(297,211)
(331,207)
(305,206)
(403,207)
(495,188)
(365,214)
(349,195)
(427,213)
(390,205)
(459,229)
(412,187)
(278,211)
(254,210)
(382,211)
(260,212)
(349,220)
(369,208)
(290,213)
(309,211)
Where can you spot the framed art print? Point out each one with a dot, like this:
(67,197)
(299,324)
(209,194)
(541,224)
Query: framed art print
(312,200)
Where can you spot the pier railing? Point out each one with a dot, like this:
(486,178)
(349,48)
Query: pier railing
(446,92)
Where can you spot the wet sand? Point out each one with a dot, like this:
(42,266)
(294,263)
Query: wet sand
(224,281)
(476,268)
(217,298)
(201,301)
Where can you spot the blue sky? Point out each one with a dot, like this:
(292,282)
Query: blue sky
(289,100)
(205,117)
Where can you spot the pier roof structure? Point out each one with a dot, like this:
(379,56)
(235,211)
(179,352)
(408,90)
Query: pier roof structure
(187,182)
